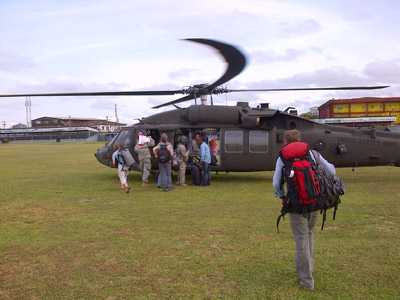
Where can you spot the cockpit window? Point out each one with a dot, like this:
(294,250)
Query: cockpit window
(124,138)
(113,140)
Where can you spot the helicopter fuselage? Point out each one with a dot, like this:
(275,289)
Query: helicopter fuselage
(244,139)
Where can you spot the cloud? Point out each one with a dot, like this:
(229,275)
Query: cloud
(335,76)
(13,62)
(98,45)
(375,73)
(181,73)
(302,27)
(385,70)
(288,55)
(66,85)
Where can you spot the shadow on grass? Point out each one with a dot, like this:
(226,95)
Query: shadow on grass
(220,177)
(242,177)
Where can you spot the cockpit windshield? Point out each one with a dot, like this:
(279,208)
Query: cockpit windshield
(110,143)
(124,138)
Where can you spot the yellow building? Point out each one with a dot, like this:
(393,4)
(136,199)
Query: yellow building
(361,107)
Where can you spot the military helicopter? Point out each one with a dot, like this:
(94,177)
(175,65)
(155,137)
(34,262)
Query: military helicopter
(244,138)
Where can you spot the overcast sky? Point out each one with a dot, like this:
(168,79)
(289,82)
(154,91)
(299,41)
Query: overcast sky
(66,46)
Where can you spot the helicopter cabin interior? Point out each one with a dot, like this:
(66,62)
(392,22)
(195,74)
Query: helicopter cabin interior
(235,149)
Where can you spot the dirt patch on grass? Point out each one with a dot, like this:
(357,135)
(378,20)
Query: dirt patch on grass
(35,214)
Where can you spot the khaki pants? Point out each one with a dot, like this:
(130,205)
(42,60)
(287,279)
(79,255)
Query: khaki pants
(145,168)
(302,228)
(182,173)
(123,176)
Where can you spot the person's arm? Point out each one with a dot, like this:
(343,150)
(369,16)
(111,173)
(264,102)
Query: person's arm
(155,150)
(185,153)
(277,179)
(170,149)
(113,158)
(318,158)
(202,152)
(327,165)
(151,142)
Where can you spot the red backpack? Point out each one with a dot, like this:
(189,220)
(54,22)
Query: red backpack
(300,175)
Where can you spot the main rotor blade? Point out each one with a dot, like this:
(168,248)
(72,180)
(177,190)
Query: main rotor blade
(235,59)
(312,89)
(118,93)
(183,99)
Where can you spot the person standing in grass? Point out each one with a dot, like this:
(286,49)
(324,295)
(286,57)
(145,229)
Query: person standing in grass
(118,161)
(205,160)
(164,152)
(182,156)
(142,149)
(303,209)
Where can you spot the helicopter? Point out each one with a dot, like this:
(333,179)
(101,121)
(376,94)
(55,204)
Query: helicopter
(244,138)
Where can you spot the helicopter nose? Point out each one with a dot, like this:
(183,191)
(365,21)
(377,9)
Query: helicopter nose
(103,156)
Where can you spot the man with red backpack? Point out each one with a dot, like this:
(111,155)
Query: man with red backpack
(297,167)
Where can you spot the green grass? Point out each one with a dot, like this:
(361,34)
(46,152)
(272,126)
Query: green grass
(67,232)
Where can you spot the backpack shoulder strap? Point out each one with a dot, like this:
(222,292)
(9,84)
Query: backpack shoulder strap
(316,156)
(284,211)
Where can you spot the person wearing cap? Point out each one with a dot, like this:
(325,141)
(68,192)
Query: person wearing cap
(142,149)
(118,161)
(182,156)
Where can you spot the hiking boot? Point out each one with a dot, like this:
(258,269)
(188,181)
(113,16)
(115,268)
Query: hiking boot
(306,287)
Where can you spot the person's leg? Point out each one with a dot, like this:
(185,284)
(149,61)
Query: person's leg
(126,173)
(146,170)
(169,175)
(301,236)
(182,173)
(162,176)
(141,167)
(311,225)
(123,178)
(158,179)
(208,175)
(204,173)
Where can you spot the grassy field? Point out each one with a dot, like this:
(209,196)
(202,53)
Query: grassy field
(67,232)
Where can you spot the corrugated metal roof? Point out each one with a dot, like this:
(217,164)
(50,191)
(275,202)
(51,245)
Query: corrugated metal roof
(355,120)
(57,129)
(362,100)
(79,119)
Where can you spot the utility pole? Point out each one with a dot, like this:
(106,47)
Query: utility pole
(28,105)
(4,124)
(116,113)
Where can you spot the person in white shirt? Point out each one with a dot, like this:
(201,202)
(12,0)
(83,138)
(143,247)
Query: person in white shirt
(118,161)
(302,226)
